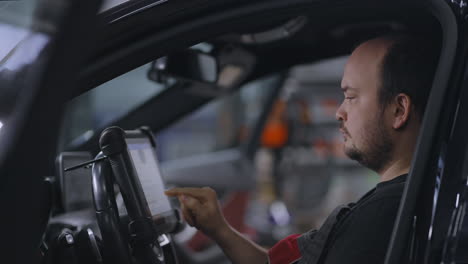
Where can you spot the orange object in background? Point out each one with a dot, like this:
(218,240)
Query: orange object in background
(275,134)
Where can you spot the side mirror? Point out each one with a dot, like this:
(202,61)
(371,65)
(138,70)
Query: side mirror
(189,65)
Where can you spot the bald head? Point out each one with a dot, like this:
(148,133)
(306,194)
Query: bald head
(366,59)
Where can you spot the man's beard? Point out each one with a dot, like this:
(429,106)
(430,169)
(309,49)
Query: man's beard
(376,151)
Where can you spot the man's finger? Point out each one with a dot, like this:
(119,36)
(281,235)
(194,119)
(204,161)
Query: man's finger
(186,214)
(191,203)
(198,193)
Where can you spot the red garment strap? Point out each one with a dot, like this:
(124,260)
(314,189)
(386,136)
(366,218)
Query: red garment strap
(285,251)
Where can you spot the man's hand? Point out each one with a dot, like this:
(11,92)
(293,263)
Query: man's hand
(201,209)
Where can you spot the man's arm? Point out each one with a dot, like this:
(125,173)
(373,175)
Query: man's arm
(200,209)
(239,249)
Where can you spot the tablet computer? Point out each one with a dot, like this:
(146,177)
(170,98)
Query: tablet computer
(142,151)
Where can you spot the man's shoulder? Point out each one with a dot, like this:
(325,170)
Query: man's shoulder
(385,200)
(374,213)
(383,193)
(367,228)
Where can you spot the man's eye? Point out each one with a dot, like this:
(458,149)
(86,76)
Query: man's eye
(349,97)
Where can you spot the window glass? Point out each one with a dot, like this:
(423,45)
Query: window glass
(101,106)
(221,124)
(23,49)
(17,13)
(19,46)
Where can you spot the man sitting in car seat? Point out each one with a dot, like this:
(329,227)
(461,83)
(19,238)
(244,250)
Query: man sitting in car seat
(386,84)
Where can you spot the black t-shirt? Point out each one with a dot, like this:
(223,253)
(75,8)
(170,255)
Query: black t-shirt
(363,235)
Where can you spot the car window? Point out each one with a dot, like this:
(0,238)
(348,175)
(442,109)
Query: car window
(22,50)
(302,169)
(15,29)
(99,107)
(221,124)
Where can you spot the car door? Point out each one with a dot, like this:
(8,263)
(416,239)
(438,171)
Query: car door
(43,42)
(430,227)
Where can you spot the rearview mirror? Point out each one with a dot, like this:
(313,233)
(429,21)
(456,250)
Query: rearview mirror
(189,65)
(228,67)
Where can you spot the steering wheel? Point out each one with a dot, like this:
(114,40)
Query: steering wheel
(135,237)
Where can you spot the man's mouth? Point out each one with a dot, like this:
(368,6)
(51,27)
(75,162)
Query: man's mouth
(344,131)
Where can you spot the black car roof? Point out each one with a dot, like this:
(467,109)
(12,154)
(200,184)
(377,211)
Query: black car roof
(136,33)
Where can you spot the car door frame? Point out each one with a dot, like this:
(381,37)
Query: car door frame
(32,130)
(420,224)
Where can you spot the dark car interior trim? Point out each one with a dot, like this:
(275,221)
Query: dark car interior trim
(126,55)
(426,150)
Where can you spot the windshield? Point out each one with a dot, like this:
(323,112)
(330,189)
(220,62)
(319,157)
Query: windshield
(15,21)
(22,45)
(107,103)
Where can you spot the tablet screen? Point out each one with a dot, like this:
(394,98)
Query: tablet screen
(146,165)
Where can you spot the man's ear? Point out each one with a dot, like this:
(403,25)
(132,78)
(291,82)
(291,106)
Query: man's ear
(401,110)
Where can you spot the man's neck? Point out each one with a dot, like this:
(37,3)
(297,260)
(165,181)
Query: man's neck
(392,173)
(401,157)
(395,168)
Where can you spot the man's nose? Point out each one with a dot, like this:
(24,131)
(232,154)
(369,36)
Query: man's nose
(340,114)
